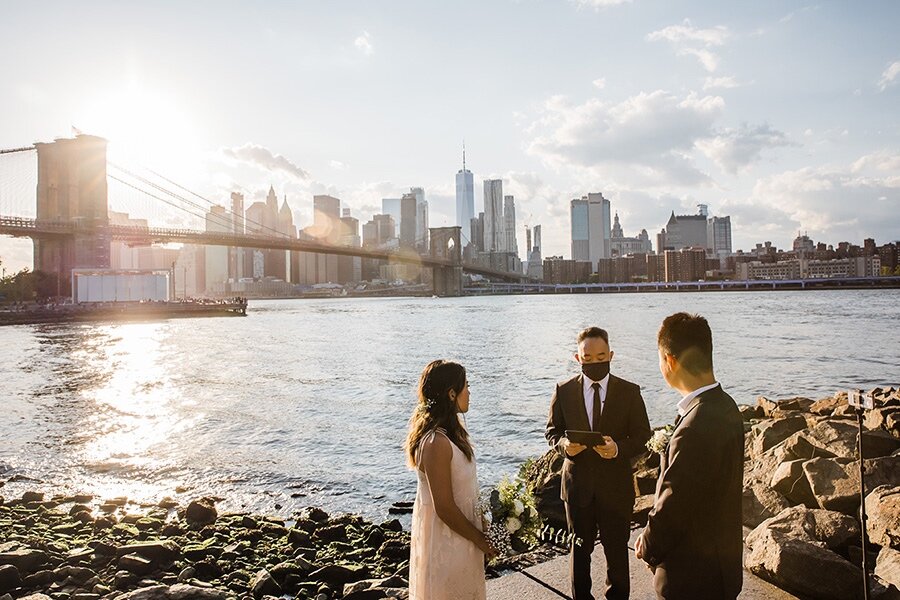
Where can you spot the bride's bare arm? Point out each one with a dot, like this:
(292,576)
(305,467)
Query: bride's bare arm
(436,455)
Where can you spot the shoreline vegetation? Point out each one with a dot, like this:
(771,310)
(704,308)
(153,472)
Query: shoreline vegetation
(801,500)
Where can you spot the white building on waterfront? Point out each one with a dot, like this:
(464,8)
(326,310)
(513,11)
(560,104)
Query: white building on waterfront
(591,231)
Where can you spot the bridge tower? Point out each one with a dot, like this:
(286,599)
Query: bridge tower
(72,189)
(445,244)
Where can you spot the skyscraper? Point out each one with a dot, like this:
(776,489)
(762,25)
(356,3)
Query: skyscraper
(494,238)
(421,219)
(509,226)
(391,206)
(465,200)
(718,236)
(591,233)
(236,255)
(408,220)
(219,221)
(326,215)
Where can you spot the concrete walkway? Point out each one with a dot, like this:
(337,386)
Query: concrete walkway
(516,586)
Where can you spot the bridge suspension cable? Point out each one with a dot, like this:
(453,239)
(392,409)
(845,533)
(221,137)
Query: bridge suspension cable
(229,214)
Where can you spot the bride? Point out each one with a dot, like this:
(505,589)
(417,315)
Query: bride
(447,544)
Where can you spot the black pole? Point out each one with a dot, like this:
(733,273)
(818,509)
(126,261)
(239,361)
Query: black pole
(862,505)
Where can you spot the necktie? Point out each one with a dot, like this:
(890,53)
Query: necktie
(595,419)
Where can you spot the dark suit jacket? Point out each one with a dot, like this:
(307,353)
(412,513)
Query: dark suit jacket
(624,418)
(693,535)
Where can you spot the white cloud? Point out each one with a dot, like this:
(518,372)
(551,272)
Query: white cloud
(833,203)
(889,75)
(364,43)
(733,150)
(687,33)
(337,165)
(598,4)
(724,83)
(646,139)
(599,83)
(692,41)
(265,159)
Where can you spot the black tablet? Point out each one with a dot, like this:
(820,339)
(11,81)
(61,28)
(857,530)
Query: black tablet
(585,438)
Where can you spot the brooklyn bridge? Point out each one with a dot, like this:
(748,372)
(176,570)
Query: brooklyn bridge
(71,227)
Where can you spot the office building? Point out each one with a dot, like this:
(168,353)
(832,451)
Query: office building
(421,220)
(465,200)
(509,226)
(718,234)
(683,231)
(623,246)
(408,220)
(494,238)
(216,257)
(590,226)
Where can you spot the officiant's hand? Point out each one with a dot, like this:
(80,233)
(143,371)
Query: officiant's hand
(609,450)
(571,448)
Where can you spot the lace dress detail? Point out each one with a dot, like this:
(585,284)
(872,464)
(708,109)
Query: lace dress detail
(443,565)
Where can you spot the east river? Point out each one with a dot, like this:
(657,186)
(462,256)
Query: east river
(306,402)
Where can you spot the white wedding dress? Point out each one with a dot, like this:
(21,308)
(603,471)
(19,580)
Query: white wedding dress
(443,565)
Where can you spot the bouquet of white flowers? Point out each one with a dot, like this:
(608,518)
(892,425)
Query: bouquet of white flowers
(512,522)
(660,440)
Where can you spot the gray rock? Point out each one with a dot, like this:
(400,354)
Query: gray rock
(36,597)
(769,433)
(883,516)
(833,484)
(790,481)
(178,591)
(201,512)
(800,446)
(830,529)
(9,578)
(887,566)
(836,436)
(26,560)
(157,550)
(135,563)
(263,583)
(761,502)
(339,575)
(802,567)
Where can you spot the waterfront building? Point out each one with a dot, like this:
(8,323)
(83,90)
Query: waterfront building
(236,255)
(563,271)
(392,207)
(803,245)
(535,269)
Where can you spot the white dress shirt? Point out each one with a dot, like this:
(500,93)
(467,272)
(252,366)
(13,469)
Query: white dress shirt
(589,396)
(688,402)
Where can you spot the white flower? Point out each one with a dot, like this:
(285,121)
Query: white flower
(513,525)
(518,507)
(657,444)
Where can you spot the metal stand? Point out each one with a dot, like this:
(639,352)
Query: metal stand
(862,505)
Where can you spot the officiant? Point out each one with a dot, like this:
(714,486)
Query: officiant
(598,423)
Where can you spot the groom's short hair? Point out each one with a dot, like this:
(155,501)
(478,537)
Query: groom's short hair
(689,339)
(593,332)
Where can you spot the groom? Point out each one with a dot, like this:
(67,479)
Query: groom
(693,538)
(597,484)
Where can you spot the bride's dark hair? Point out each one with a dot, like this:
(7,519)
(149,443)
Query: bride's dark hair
(436,410)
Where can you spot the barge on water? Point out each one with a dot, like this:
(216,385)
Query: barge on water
(121,311)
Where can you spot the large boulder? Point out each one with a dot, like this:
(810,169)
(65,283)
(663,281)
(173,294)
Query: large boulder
(789,479)
(802,567)
(9,578)
(883,516)
(201,512)
(767,434)
(836,436)
(544,478)
(800,446)
(795,551)
(179,591)
(834,483)
(760,501)
(26,560)
(827,406)
(887,566)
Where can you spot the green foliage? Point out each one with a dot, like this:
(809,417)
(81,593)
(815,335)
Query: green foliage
(25,286)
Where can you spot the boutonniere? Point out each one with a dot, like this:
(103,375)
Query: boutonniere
(660,440)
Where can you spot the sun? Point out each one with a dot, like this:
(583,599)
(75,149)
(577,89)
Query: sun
(149,128)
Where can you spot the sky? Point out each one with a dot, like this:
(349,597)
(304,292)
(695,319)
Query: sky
(783,115)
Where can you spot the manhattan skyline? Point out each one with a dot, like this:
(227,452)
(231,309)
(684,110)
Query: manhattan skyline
(781,115)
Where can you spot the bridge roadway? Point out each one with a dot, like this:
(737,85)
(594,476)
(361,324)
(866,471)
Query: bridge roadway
(27,227)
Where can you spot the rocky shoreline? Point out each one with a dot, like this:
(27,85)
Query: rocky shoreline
(801,494)
(82,548)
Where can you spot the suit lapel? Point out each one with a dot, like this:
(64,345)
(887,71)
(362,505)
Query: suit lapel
(578,408)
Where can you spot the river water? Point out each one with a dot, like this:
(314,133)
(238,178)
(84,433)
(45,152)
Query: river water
(307,402)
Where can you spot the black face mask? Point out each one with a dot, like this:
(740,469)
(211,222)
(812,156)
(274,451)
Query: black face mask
(595,371)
